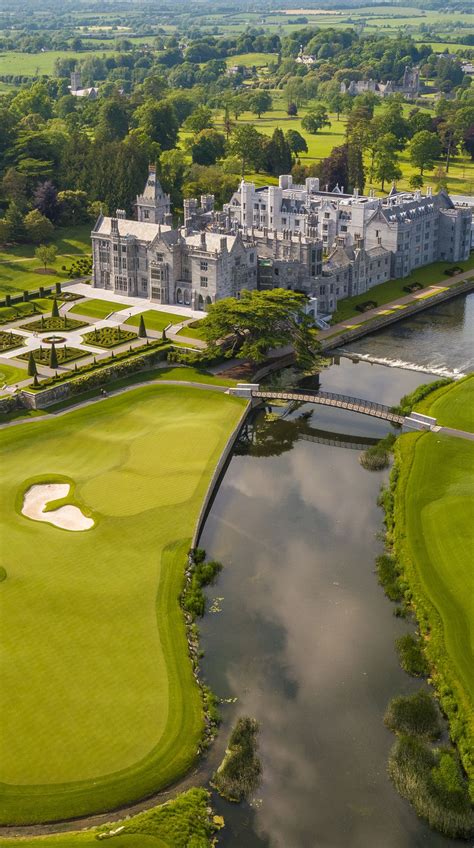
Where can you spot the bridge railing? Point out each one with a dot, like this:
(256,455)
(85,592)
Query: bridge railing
(290,394)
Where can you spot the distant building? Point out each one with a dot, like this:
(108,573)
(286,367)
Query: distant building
(76,87)
(409,87)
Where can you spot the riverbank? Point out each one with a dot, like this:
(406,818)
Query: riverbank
(429,520)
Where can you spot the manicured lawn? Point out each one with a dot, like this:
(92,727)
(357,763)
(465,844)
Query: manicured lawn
(391,290)
(109,337)
(19,268)
(435,541)
(191,331)
(451,406)
(22,310)
(155,320)
(10,374)
(98,703)
(96,308)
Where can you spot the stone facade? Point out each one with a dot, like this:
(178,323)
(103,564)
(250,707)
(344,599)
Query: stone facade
(170,266)
(418,229)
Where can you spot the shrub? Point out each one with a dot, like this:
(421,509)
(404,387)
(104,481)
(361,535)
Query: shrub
(202,574)
(3,574)
(412,287)
(239,773)
(411,656)
(368,304)
(378,456)
(389,577)
(433,785)
(409,401)
(414,715)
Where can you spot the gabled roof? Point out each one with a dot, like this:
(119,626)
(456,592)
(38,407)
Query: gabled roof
(137,229)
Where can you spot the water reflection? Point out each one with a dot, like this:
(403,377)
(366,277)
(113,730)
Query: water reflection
(305,639)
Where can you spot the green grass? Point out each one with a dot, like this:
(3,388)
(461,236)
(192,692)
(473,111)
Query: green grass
(19,267)
(191,332)
(96,308)
(37,64)
(155,320)
(434,540)
(248,60)
(23,310)
(450,406)
(108,710)
(385,292)
(10,374)
(173,825)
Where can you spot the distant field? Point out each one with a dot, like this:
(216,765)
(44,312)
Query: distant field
(460,177)
(33,64)
(250,59)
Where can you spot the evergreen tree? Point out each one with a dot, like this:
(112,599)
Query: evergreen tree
(355,168)
(334,170)
(55,309)
(32,370)
(53,357)
(278,154)
(14,223)
(142,328)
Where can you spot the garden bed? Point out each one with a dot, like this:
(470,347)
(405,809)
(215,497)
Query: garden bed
(42,355)
(109,337)
(10,340)
(46,325)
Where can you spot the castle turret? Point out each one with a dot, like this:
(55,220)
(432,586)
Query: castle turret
(153,205)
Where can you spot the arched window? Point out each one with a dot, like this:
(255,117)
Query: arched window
(208,302)
(187,297)
(201,303)
(179,296)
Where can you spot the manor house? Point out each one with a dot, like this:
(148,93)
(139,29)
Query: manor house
(327,244)
(417,229)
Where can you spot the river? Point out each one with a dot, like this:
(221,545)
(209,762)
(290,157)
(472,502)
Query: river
(303,636)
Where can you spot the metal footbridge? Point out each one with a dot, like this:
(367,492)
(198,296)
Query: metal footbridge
(352,404)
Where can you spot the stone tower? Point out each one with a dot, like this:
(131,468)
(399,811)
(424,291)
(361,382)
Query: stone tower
(153,206)
(76,83)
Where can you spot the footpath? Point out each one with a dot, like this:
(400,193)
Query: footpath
(395,310)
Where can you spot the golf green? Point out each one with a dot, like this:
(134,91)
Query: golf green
(98,704)
(434,511)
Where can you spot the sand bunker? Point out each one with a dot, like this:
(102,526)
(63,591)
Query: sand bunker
(67,517)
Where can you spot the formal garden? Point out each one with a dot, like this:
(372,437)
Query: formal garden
(108,337)
(9,340)
(54,356)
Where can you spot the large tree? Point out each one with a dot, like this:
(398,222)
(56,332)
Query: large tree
(316,119)
(46,200)
(158,120)
(258,322)
(260,102)
(247,143)
(424,149)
